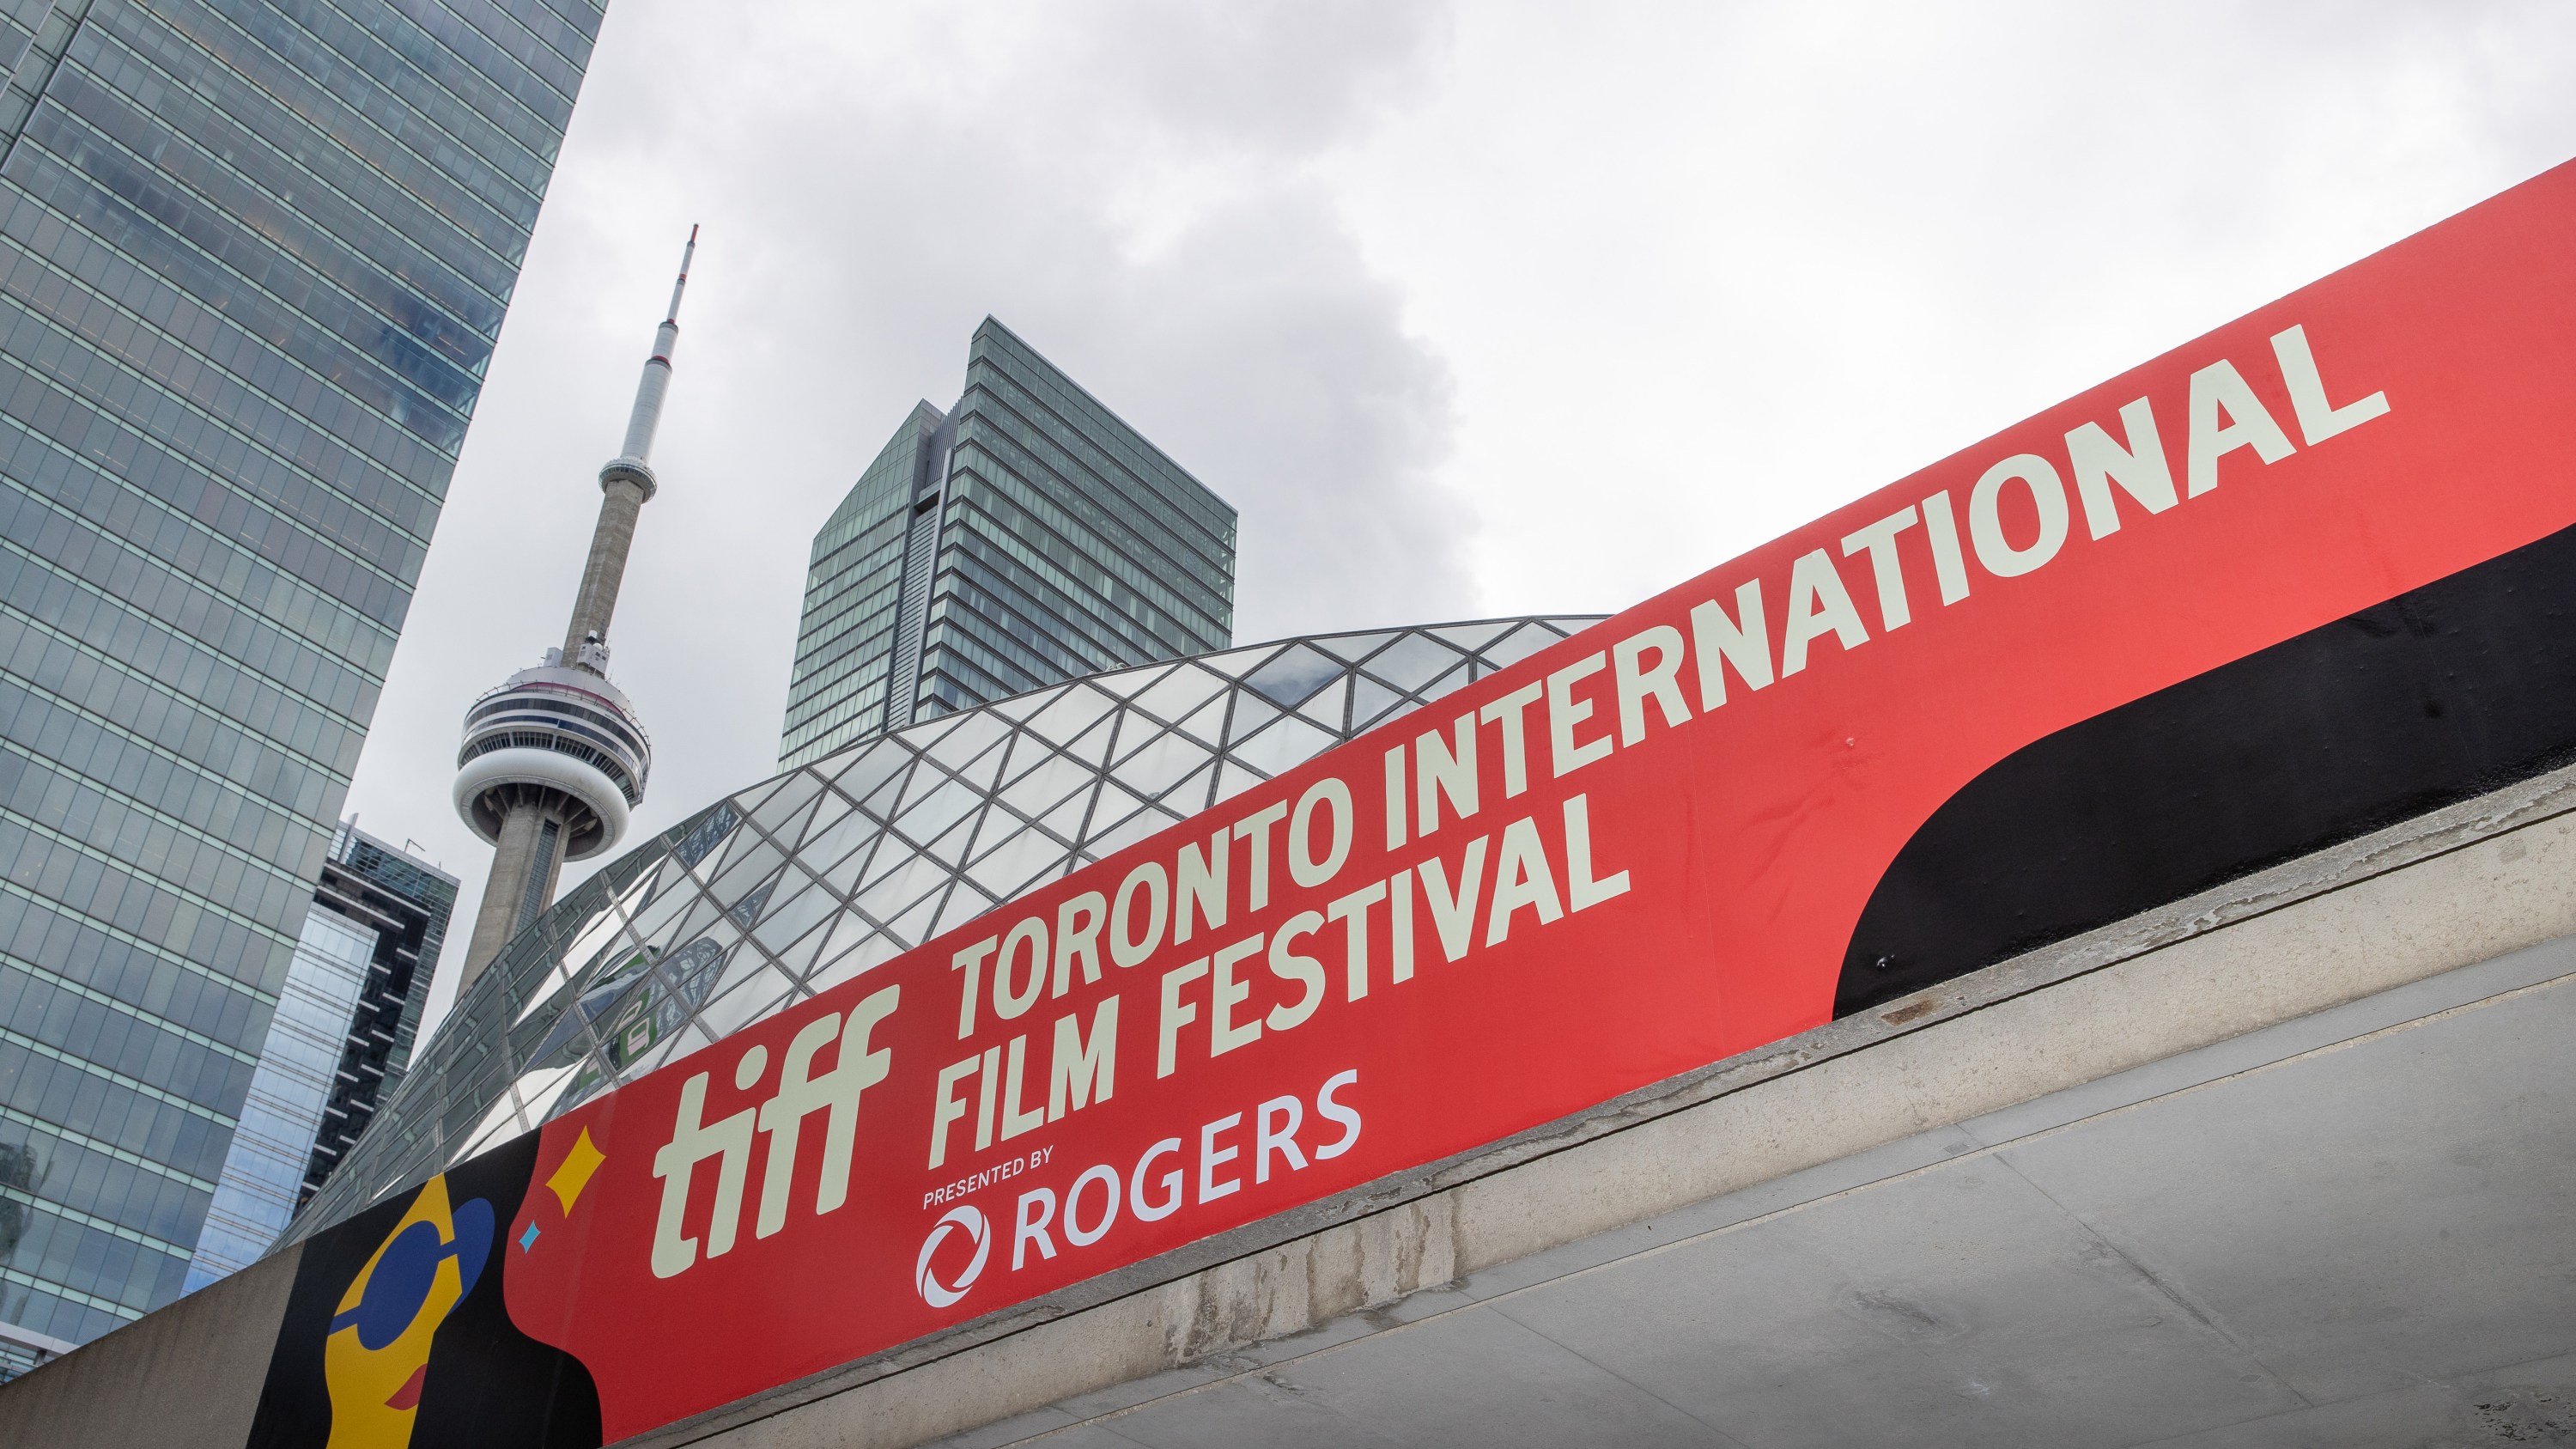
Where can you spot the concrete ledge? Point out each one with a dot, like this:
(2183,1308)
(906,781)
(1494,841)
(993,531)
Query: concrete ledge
(184,1377)
(2435,894)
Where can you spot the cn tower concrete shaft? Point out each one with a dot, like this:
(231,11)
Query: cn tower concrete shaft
(621,501)
(526,863)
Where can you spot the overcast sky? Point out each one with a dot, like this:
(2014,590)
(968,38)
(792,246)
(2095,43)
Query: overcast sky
(1470,309)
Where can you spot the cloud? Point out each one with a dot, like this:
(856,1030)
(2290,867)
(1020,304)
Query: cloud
(1128,185)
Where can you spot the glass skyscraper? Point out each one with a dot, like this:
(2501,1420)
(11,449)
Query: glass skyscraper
(254,255)
(1023,538)
(342,1033)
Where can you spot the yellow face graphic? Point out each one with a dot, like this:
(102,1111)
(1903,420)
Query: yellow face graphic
(376,1357)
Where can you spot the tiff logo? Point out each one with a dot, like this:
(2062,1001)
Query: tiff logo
(801,1093)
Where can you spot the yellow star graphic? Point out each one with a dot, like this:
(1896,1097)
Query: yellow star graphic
(573,1174)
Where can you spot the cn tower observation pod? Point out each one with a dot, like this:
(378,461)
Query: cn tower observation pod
(563,734)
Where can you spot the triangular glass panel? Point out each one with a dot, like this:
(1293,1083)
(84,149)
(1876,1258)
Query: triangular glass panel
(951,847)
(926,780)
(1020,861)
(1020,706)
(1232,779)
(746,910)
(1115,805)
(1041,789)
(1570,625)
(1411,662)
(778,812)
(1326,707)
(902,888)
(943,807)
(1028,751)
(748,802)
(975,733)
(1351,648)
(1077,709)
(1190,796)
(844,933)
(751,1001)
(872,768)
(745,871)
(1520,644)
(1066,819)
(801,821)
(1179,694)
(1455,679)
(792,918)
(1251,712)
(882,803)
(1207,724)
(844,877)
(1092,747)
(706,835)
(1284,746)
(1372,703)
(892,855)
(985,770)
(928,733)
(1135,828)
(964,904)
(993,827)
(1472,637)
(1236,663)
(1125,683)
(798,958)
(825,847)
(1294,675)
(1160,765)
(913,926)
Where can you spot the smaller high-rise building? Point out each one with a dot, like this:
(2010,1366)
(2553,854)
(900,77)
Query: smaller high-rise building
(406,902)
(341,1035)
(1025,537)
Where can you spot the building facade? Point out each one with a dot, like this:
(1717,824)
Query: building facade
(253,261)
(1025,537)
(803,881)
(341,1033)
(406,902)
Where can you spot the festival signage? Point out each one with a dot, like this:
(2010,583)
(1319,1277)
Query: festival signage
(1639,852)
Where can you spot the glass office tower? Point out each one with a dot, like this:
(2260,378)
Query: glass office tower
(404,903)
(341,1035)
(254,255)
(1023,538)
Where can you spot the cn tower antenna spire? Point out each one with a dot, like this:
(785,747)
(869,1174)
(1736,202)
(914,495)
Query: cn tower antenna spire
(641,423)
(555,759)
(628,483)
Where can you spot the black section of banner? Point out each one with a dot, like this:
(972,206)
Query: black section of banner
(487,1385)
(2437,695)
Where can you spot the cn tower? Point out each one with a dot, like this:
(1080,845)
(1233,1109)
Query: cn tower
(554,760)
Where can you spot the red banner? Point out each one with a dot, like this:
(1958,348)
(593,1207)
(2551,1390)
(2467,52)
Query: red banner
(1635,854)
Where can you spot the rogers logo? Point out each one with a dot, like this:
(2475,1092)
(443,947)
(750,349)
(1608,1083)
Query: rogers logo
(978,1232)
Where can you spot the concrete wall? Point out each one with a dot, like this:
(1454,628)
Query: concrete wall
(184,1378)
(2432,896)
